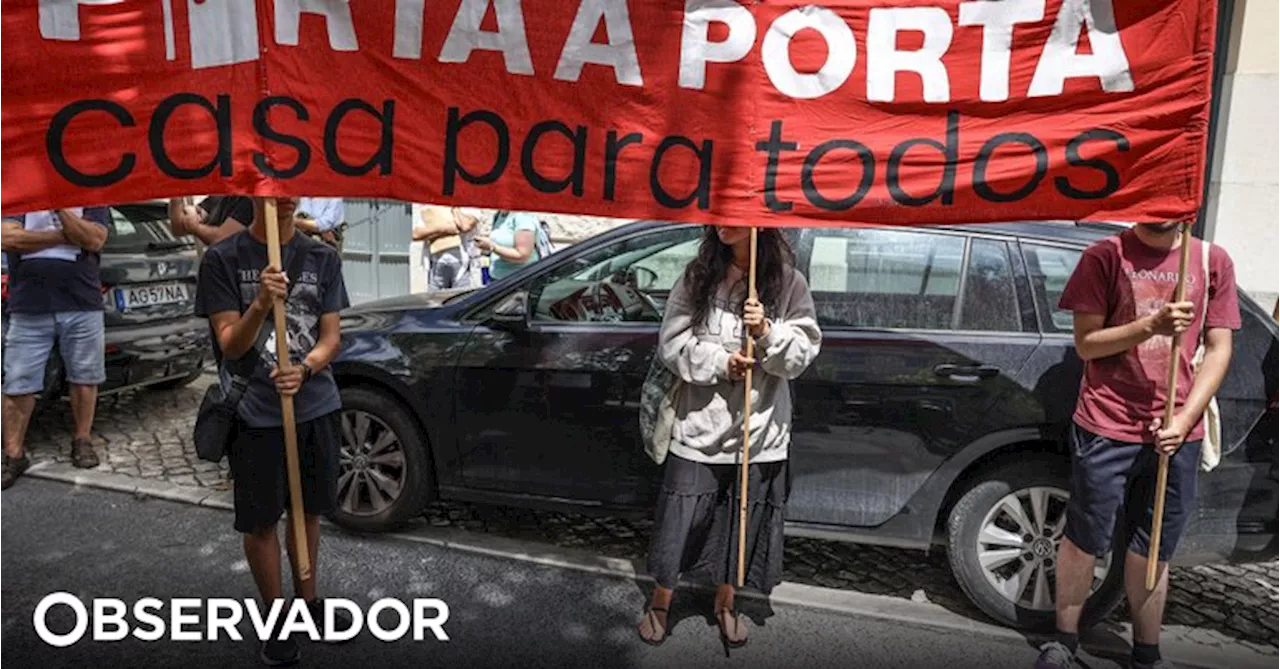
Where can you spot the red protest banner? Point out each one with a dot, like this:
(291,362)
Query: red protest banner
(770,113)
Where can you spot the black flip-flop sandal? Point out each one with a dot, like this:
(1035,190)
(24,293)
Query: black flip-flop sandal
(653,622)
(724,633)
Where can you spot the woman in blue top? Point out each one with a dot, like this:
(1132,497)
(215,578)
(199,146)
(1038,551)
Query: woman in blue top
(513,242)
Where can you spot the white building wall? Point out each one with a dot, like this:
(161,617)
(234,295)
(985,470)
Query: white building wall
(1243,210)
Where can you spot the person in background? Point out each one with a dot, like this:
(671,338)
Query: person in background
(236,292)
(213,220)
(447,232)
(323,218)
(512,242)
(702,342)
(55,296)
(1121,295)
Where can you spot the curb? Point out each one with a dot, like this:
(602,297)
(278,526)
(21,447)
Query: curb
(1100,643)
(159,489)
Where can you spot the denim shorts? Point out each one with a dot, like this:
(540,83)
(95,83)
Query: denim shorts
(1109,477)
(29,339)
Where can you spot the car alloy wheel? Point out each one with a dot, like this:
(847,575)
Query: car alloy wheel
(372,466)
(1018,546)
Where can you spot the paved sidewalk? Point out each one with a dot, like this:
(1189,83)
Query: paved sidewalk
(141,434)
(147,435)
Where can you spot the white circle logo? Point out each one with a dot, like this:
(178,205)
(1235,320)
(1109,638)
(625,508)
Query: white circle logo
(66,599)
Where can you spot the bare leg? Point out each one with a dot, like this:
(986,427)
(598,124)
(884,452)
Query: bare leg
(262,550)
(1075,575)
(84,402)
(304,589)
(654,625)
(17,416)
(1146,608)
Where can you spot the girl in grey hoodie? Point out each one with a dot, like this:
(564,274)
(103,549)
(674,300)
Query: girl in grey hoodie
(702,341)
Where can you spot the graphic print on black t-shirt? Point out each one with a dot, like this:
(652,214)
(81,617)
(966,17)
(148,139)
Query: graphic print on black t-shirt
(229,282)
(302,318)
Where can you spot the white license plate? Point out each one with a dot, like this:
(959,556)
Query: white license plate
(137,297)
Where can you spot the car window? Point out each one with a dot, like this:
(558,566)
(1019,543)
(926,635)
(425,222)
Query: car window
(879,278)
(626,281)
(136,228)
(1049,267)
(990,298)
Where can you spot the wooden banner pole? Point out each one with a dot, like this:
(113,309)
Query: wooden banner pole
(1162,473)
(297,519)
(746,427)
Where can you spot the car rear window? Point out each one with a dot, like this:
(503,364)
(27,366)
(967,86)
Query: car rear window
(137,228)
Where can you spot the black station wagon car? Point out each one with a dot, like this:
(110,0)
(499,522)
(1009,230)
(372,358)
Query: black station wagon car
(936,414)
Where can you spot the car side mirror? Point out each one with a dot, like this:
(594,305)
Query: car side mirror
(512,312)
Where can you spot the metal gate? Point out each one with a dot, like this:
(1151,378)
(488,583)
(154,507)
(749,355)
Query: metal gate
(375,250)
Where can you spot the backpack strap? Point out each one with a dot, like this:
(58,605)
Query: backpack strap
(1205,249)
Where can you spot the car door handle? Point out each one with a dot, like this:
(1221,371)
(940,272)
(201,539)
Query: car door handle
(967,372)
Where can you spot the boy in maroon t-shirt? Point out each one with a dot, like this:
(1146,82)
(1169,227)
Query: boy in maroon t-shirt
(1120,294)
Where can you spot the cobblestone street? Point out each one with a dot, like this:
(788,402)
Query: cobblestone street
(147,435)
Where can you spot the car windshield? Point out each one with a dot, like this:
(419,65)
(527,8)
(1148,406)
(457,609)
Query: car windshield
(137,228)
(605,267)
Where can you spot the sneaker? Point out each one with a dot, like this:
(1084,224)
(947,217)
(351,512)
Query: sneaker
(1054,655)
(82,454)
(341,619)
(277,653)
(11,469)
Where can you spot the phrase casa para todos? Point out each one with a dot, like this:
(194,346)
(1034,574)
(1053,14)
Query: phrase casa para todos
(713,33)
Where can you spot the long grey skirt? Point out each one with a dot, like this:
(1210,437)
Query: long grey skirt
(696,529)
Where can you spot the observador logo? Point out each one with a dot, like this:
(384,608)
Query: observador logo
(198,619)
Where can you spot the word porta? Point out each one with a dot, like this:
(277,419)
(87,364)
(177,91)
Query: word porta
(228,32)
(192,619)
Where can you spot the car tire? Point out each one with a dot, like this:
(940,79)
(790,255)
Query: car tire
(986,510)
(373,420)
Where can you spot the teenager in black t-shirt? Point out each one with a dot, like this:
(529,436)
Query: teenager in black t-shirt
(236,291)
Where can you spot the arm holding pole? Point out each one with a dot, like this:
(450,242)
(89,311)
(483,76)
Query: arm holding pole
(1217,357)
(787,345)
(1094,340)
(696,362)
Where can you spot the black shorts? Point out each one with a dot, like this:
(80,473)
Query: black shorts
(1109,475)
(260,476)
